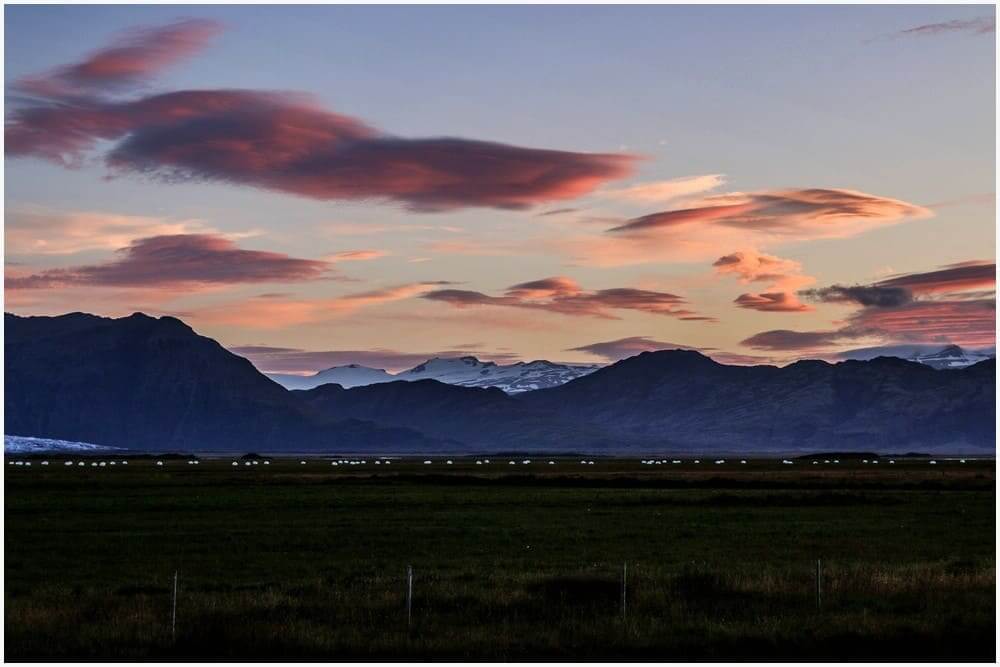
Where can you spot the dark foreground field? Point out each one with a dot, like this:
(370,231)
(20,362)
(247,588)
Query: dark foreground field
(510,562)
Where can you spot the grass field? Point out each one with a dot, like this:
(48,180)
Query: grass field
(510,562)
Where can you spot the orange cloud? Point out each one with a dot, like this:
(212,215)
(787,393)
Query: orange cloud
(758,219)
(354,256)
(784,275)
(277,311)
(663,191)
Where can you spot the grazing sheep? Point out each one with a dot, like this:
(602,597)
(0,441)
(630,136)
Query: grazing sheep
(676,461)
(94,465)
(68,463)
(267,463)
(235,463)
(448,462)
(124,463)
(81,463)
(891,461)
(45,463)
(110,463)
(378,463)
(961,460)
(27,463)
(933,463)
(552,463)
(511,463)
(246,463)
(697,461)
(159,463)
(427,463)
(720,461)
(19,463)
(388,462)
(254,462)
(102,464)
(479,463)
(302,463)
(836,460)
(526,461)
(743,461)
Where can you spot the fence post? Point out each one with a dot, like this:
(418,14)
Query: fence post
(173,614)
(409,596)
(624,587)
(819,583)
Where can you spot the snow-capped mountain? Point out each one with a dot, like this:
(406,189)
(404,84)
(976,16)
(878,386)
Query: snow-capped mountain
(952,356)
(462,371)
(351,375)
(941,358)
(17,444)
(511,378)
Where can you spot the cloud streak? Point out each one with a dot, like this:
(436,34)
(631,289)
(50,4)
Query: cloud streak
(982,25)
(565,296)
(180,260)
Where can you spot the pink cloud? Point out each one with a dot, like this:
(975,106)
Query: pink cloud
(278,141)
(131,59)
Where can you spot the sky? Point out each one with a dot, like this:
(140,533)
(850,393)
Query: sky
(320,185)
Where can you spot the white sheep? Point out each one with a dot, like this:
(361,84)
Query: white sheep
(302,463)
(45,463)
(235,463)
(267,463)
(743,461)
(552,463)
(68,463)
(479,463)
(933,463)
(159,463)
(427,463)
(448,462)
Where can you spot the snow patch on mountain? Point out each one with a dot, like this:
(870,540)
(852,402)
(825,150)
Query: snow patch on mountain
(19,444)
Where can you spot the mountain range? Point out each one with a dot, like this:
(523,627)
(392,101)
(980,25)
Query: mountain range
(521,377)
(461,371)
(154,384)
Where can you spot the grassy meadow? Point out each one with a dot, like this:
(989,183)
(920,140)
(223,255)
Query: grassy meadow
(509,562)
